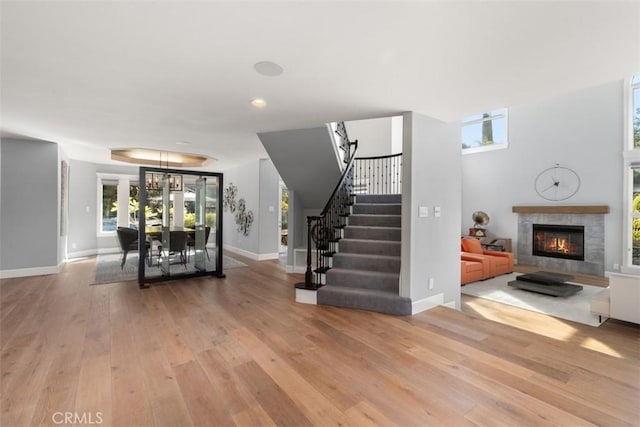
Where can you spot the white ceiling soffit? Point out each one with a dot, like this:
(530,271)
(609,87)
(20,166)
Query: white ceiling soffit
(97,75)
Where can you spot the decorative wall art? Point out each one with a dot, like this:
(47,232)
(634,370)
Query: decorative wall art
(229,198)
(243,218)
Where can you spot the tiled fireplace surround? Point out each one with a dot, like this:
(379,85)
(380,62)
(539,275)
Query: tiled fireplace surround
(593,237)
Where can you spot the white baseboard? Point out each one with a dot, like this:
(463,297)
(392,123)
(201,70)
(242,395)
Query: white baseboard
(426,303)
(306,296)
(290,269)
(81,254)
(450,304)
(32,271)
(251,255)
(264,257)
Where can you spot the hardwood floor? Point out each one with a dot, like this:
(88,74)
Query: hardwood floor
(239,351)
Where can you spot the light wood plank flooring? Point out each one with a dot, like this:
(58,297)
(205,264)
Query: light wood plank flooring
(240,351)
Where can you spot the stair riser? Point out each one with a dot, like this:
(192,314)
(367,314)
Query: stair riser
(379,198)
(386,265)
(392,234)
(354,280)
(376,220)
(374,247)
(345,297)
(377,209)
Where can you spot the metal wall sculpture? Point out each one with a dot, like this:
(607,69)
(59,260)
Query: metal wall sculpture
(243,218)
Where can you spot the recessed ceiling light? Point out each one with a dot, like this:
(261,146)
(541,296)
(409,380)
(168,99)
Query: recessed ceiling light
(183,143)
(268,68)
(259,103)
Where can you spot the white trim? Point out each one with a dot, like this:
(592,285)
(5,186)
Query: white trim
(306,296)
(251,255)
(426,303)
(450,304)
(290,269)
(32,271)
(81,254)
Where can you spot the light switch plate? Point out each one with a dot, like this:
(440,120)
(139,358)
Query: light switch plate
(423,211)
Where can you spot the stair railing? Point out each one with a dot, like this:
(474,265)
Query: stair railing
(325,230)
(378,175)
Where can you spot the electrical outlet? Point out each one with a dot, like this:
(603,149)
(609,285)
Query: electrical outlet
(423,211)
(616,267)
(431,282)
(437,211)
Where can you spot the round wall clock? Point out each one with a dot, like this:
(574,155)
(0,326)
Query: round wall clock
(557,183)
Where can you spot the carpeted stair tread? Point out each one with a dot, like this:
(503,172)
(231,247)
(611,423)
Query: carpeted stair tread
(365,246)
(373,220)
(381,281)
(377,208)
(364,299)
(372,233)
(367,262)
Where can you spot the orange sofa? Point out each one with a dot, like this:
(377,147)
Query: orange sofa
(493,263)
(471,270)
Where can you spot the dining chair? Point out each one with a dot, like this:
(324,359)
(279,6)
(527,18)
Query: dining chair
(191,241)
(177,246)
(128,239)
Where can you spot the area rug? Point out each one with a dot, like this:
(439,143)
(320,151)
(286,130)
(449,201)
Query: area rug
(108,267)
(576,308)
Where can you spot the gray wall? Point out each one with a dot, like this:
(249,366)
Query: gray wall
(269,208)
(582,130)
(431,245)
(247,179)
(83,205)
(29,203)
(258,183)
(313,179)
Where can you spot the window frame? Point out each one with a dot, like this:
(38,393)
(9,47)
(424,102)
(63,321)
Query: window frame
(124,181)
(491,147)
(631,161)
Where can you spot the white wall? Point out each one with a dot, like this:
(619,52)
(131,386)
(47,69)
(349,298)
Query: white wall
(431,245)
(374,136)
(581,130)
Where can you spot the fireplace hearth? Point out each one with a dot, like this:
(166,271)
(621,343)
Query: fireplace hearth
(558,241)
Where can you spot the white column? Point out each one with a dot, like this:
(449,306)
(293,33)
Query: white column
(178,208)
(123,202)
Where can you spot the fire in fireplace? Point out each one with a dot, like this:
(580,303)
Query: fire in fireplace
(559,241)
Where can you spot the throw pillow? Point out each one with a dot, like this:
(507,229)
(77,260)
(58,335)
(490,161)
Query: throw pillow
(472,245)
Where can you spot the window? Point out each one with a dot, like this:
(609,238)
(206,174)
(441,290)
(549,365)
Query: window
(631,249)
(486,131)
(118,197)
(635,218)
(635,110)
(109,206)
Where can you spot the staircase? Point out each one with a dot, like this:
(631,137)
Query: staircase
(365,272)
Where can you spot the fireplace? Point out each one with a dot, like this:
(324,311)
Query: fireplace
(559,241)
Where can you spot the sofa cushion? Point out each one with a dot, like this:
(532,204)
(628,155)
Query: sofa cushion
(471,245)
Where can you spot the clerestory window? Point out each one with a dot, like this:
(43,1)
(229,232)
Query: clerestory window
(484,132)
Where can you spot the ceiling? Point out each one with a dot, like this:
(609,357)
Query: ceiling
(178,76)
